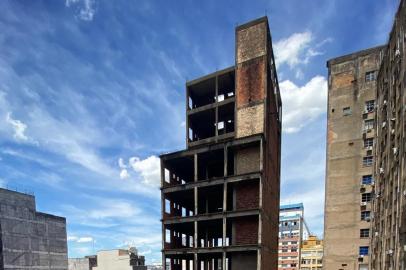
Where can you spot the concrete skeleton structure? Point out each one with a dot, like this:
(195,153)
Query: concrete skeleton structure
(30,239)
(388,246)
(220,196)
(292,231)
(116,259)
(311,254)
(350,154)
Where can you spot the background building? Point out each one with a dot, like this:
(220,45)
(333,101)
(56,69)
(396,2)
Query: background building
(220,196)
(311,254)
(116,259)
(389,219)
(30,239)
(350,157)
(292,231)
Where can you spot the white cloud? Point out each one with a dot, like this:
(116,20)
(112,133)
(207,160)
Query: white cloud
(148,169)
(302,104)
(85,240)
(121,163)
(3,183)
(18,127)
(87,9)
(124,174)
(290,50)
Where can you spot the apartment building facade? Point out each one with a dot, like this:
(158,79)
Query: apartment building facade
(292,231)
(220,196)
(311,254)
(389,220)
(30,239)
(350,158)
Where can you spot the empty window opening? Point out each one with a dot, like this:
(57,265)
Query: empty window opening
(180,203)
(226,86)
(210,199)
(179,170)
(209,232)
(202,125)
(202,93)
(179,235)
(226,119)
(365,215)
(210,164)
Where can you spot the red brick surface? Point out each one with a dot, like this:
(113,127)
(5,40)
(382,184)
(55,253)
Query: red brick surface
(246,231)
(247,195)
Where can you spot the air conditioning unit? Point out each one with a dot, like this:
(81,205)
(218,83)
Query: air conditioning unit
(369,148)
(389,252)
(363,203)
(392,131)
(376,233)
(381,171)
(393,119)
(384,124)
(395,150)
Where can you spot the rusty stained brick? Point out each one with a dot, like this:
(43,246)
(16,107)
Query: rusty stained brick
(250,85)
(250,120)
(251,42)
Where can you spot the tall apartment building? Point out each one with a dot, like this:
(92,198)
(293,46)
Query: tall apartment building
(220,196)
(30,239)
(389,219)
(350,157)
(311,254)
(292,231)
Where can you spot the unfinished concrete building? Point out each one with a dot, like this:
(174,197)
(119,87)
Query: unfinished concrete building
(220,196)
(350,157)
(30,239)
(389,219)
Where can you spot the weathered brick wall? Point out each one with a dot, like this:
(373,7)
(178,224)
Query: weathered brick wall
(247,195)
(247,160)
(250,79)
(31,240)
(246,231)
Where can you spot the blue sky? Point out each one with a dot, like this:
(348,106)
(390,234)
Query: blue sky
(92,91)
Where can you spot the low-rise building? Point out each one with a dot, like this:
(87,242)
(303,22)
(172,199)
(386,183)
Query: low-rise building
(311,254)
(117,259)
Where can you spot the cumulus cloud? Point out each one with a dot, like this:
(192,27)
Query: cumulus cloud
(148,169)
(289,50)
(302,104)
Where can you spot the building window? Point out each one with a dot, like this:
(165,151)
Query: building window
(367,179)
(370,76)
(370,105)
(368,124)
(369,142)
(365,215)
(364,233)
(363,251)
(367,161)
(347,111)
(366,197)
